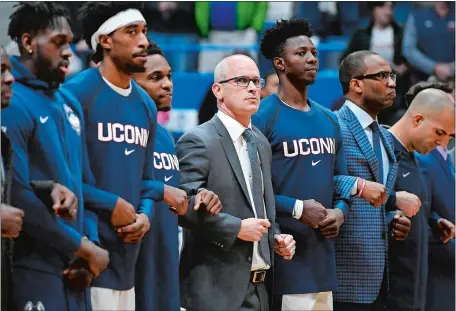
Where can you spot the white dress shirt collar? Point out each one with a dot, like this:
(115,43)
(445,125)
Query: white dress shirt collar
(443,151)
(234,128)
(363,117)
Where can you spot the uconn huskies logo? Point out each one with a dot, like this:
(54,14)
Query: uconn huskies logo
(123,133)
(29,306)
(165,161)
(73,119)
(306,146)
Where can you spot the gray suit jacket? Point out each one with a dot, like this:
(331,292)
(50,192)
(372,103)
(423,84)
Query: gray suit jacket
(215,265)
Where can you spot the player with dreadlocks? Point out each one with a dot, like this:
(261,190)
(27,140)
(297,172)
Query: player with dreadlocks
(309,171)
(45,132)
(120,134)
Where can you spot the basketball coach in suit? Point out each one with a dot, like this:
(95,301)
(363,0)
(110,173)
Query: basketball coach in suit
(226,258)
(362,246)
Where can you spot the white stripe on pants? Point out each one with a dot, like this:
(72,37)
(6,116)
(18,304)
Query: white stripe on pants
(308,302)
(104,299)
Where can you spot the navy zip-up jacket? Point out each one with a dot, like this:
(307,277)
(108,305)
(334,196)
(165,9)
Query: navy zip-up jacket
(45,133)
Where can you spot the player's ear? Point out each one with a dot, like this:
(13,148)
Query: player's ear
(217,89)
(28,43)
(279,63)
(106,42)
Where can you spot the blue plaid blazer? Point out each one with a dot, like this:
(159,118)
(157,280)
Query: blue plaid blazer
(362,246)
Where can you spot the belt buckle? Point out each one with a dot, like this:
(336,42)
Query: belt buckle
(261,276)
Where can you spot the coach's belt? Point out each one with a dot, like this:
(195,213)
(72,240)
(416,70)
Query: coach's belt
(258,276)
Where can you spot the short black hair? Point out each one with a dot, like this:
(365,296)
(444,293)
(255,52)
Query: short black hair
(351,66)
(273,39)
(154,49)
(33,17)
(420,86)
(93,14)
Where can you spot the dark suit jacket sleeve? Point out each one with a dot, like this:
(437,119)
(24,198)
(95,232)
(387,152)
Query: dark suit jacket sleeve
(194,167)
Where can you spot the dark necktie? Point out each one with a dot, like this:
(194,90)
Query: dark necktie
(257,190)
(377,148)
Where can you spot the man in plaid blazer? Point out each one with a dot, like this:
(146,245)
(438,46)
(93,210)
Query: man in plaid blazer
(362,247)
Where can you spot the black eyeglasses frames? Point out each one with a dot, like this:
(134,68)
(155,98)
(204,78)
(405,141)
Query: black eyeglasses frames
(245,81)
(382,75)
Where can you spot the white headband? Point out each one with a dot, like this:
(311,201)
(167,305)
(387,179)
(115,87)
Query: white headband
(119,20)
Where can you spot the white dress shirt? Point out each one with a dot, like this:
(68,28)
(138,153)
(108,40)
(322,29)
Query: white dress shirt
(235,129)
(365,120)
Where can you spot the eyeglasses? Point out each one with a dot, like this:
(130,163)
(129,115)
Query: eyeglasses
(383,76)
(245,81)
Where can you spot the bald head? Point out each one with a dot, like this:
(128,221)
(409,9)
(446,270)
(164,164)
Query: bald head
(431,103)
(227,66)
(428,122)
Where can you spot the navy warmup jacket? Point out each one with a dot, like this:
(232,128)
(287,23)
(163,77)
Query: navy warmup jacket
(45,132)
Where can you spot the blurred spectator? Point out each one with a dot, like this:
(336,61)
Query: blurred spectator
(271,84)
(279,10)
(430,84)
(172,22)
(329,18)
(323,16)
(450,82)
(228,23)
(384,36)
(349,14)
(429,43)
